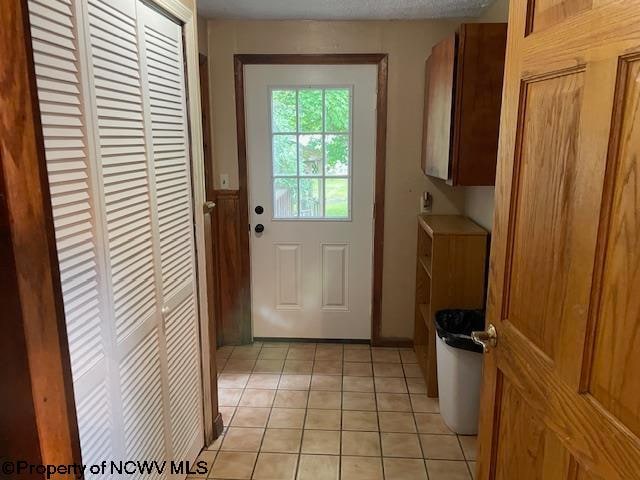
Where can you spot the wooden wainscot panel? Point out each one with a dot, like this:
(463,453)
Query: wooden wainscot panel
(234,312)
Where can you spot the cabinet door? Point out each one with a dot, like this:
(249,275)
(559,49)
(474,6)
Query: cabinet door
(478,94)
(440,101)
(425,117)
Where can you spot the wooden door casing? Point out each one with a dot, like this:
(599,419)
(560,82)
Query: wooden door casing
(211,245)
(561,398)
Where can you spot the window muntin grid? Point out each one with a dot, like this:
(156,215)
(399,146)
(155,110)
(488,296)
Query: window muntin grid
(311,152)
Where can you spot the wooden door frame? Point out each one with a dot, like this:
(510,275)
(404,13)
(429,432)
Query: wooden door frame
(381,61)
(35,329)
(211,253)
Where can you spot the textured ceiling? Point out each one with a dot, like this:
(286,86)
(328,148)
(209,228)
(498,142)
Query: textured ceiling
(340,9)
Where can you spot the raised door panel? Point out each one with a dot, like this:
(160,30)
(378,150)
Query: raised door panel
(552,241)
(335,276)
(614,381)
(440,102)
(547,13)
(527,449)
(288,275)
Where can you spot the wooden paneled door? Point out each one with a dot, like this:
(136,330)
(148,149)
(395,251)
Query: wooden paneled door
(561,395)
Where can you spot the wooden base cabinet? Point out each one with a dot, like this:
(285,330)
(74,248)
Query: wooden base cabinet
(450,273)
(463,92)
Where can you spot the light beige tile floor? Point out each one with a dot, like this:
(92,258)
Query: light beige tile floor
(303,411)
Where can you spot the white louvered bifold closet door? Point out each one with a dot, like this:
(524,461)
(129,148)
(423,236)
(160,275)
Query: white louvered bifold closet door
(113,100)
(62,93)
(163,68)
(124,163)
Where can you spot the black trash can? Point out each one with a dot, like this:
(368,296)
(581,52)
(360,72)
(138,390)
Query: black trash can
(459,368)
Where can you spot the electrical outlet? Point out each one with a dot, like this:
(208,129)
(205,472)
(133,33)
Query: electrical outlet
(224,181)
(426,202)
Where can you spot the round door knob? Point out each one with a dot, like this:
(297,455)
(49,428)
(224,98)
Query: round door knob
(487,339)
(259,210)
(259,228)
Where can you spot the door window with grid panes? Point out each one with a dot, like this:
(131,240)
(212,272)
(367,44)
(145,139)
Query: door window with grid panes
(311,153)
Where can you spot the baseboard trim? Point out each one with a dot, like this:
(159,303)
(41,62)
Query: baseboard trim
(379,342)
(218,426)
(392,342)
(347,341)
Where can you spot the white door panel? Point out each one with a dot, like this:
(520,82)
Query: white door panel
(61,90)
(311,275)
(125,199)
(110,77)
(163,66)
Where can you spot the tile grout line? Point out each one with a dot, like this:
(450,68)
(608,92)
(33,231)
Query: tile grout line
(304,419)
(341,415)
(413,417)
(255,463)
(375,397)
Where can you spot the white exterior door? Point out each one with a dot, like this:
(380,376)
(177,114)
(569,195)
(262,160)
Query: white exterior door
(311,135)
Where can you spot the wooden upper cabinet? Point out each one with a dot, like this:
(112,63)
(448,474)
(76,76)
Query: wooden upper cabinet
(438,111)
(463,91)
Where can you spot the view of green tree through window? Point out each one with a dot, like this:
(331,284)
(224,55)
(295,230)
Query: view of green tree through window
(311,140)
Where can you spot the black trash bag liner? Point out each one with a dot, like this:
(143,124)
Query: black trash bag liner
(455,327)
